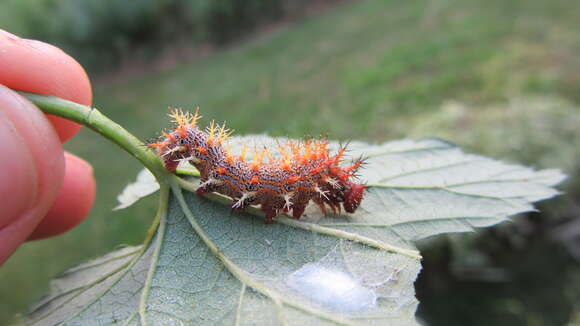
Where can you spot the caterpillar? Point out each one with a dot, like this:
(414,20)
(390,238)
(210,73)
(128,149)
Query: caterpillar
(304,171)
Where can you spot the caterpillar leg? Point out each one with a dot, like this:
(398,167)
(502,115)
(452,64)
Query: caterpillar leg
(270,214)
(297,211)
(201,191)
(336,210)
(322,206)
(243,201)
(208,185)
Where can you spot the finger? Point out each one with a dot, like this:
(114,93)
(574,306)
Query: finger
(17,172)
(37,162)
(74,201)
(38,67)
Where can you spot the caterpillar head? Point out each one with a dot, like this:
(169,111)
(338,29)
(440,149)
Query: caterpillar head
(172,150)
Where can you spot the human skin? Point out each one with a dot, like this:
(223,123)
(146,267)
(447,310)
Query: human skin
(44,191)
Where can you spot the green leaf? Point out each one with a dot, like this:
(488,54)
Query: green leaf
(204,264)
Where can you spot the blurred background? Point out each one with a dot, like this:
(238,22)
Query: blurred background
(496,77)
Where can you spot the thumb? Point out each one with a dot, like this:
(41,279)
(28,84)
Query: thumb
(31,169)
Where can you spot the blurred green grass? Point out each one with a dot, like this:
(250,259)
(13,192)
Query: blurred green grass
(369,70)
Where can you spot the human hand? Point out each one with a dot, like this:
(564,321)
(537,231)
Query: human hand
(43,190)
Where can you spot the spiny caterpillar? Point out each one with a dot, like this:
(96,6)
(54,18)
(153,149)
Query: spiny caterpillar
(304,171)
